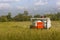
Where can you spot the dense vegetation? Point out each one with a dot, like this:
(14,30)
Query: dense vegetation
(21,31)
(26,17)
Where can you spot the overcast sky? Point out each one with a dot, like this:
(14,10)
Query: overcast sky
(33,6)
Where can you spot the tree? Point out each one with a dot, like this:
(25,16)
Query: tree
(9,16)
(54,17)
(37,16)
(19,17)
(22,17)
(26,13)
(3,19)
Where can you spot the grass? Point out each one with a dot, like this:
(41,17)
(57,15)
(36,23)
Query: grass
(21,31)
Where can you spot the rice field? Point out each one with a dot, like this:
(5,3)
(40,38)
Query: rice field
(21,31)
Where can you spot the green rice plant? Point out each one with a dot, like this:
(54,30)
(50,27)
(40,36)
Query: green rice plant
(21,31)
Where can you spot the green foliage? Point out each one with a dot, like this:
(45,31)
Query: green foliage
(37,16)
(6,18)
(26,13)
(3,19)
(18,17)
(53,17)
(21,17)
(25,17)
(9,16)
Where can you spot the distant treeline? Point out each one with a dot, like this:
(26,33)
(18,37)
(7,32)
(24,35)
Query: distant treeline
(25,17)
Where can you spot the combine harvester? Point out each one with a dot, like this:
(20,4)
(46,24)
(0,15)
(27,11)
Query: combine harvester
(40,23)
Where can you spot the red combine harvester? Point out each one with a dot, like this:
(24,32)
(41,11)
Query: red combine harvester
(40,23)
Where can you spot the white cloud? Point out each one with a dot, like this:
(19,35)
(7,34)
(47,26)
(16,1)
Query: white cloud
(35,8)
(9,0)
(40,2)
(4,5)
(58,4)
(59,8)
(20,7)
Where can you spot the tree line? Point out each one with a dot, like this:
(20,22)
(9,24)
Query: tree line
(25,17)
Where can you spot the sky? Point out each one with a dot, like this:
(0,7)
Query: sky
(32,6)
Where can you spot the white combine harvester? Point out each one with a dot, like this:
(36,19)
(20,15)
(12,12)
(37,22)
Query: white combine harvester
(40,23)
